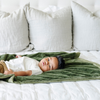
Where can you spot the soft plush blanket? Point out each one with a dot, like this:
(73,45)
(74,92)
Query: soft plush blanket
(75,69)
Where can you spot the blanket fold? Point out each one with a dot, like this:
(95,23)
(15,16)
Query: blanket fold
(76,69)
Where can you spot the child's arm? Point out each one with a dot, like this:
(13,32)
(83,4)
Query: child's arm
(19,73)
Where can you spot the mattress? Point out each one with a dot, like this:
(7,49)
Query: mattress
(79,90)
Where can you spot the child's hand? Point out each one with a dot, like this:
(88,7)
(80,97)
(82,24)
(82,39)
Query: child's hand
(8,72)
(17,56)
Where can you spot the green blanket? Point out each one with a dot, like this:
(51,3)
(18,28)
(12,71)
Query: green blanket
(76,69)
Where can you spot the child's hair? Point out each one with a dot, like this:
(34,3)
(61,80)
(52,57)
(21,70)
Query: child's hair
(61,62)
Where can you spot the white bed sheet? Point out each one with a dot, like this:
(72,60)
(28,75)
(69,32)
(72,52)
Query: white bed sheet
(79,90)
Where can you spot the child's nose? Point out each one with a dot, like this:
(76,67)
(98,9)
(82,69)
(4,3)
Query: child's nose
(47,62)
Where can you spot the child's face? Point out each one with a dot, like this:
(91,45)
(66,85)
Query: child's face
(49,63)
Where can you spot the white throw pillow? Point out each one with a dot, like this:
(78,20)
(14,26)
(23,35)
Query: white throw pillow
(13,31)
(50,32)
(51,8)
(86,28)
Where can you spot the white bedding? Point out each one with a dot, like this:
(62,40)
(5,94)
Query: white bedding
(79,90)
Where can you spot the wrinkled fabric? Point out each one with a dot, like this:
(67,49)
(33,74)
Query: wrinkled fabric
(75,69)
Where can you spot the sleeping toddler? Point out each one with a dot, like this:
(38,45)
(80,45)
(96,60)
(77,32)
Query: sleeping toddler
(25,66)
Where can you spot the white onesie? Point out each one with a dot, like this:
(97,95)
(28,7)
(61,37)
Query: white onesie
(24,64)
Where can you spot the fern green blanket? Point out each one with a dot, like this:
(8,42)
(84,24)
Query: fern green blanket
(76,69)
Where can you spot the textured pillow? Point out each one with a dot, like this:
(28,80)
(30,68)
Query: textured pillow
(86,28)
(51,32)
(13,31)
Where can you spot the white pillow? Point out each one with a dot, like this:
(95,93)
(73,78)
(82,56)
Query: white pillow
(51,8)
(50,32)
(86,28)
(13,31)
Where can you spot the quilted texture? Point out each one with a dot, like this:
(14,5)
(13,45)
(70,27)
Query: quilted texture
(79,90)
(12,5)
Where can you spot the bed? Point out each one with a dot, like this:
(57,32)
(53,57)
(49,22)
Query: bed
(79,90)
(65,90)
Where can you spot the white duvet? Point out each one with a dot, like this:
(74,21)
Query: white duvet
(79,90)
